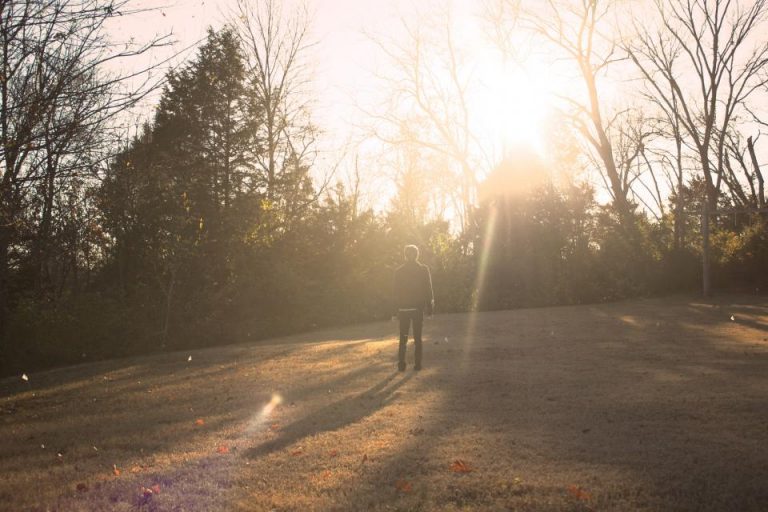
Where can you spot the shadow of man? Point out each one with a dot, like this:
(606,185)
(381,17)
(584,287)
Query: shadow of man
(334,416)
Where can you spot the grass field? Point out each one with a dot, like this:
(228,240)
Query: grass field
(658,404)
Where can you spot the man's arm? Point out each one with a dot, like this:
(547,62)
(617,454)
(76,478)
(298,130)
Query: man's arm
(393,305)
(429,295)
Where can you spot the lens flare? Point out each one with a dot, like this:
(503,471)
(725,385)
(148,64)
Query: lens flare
(485,250)
(482,269)
(273,403)
(260,418)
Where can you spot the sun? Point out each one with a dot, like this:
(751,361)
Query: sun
(515,101)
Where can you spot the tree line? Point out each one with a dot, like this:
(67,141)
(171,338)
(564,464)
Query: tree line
(211,225)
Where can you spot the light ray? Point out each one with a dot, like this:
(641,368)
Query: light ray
(482,268)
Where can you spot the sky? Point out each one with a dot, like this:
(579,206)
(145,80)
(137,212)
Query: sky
(343,55)
(344,61)
(510,107)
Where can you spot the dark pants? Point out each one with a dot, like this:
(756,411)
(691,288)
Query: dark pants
(406,318)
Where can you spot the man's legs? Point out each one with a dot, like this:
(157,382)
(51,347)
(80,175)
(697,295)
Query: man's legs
(405,323)
(418,320)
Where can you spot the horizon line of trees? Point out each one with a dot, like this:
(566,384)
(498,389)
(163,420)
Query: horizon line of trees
(211,225)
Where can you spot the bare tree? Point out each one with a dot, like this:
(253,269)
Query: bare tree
(702,64)
(275,43)
(56,102)
(427,104)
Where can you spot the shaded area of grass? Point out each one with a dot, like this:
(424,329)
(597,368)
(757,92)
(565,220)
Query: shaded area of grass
(640,405)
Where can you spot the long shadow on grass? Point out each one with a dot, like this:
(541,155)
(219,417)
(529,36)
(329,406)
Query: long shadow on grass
(335,416)
(81,376)
(130,414)
(648,405)
(668,394)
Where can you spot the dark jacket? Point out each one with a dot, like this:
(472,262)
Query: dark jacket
(413,287)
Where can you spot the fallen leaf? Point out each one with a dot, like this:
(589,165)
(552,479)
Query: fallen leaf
(81,487)
(199,422)
(222,449)
(403,486)
(459,466)
(578,493)
(365,457)
(136,469)
(333,453)
(189,358)
(274,426)
(115,470)
(297,452)
(24,377)
(146,496)
(155,488)
(733,319)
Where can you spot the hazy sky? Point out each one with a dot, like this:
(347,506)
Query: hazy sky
(343,57)
(509,107)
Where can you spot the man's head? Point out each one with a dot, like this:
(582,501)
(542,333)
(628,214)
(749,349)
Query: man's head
(411,253)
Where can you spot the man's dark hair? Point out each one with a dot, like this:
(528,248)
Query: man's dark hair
(411,252)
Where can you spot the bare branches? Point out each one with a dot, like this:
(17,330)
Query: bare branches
(427,103)
(576,30)
(707,43)
(275,43)
(57,104)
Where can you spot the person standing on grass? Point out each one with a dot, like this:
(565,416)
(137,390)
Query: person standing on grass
(413,296)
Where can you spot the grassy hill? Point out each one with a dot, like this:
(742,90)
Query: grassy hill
(640,405)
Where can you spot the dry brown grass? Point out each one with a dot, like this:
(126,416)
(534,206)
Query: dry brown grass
(640,405)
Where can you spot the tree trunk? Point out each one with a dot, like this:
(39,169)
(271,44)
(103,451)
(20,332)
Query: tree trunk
(41,244)
(5,242)
(705,263)
(758,174)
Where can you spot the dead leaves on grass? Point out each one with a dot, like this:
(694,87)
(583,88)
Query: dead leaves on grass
(222,448)
(199,422)
(459,466)
(579,493)
(403,486)
(115,470)
(147,493)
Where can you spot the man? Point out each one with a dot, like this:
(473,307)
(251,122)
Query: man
(413,295)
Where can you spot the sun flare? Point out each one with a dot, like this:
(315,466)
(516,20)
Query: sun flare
(516,105)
